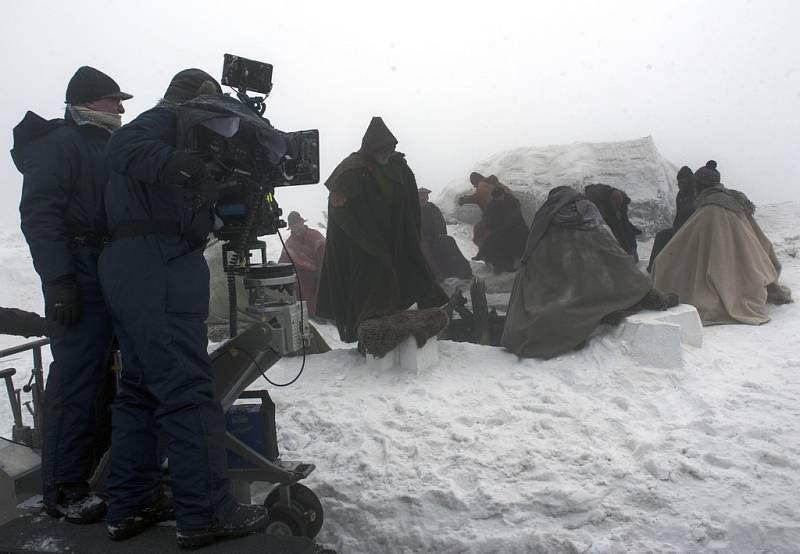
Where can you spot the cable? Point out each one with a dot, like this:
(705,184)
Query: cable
(302,326)
(19,443)
(263,373)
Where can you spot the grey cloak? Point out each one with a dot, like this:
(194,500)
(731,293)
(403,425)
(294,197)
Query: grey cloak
(573,274)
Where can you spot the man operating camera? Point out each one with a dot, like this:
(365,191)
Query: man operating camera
(160,210)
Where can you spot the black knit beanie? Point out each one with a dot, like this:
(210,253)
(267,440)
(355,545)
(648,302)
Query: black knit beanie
(707,176)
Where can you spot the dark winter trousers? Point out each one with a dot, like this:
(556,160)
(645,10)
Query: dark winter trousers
(159,311)
(76,395)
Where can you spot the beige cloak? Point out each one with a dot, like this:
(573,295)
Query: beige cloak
(721,263)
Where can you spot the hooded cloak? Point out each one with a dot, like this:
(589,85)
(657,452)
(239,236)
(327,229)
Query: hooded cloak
(373,265)
(574,273)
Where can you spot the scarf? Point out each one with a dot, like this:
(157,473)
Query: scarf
(84,116)
(727,198)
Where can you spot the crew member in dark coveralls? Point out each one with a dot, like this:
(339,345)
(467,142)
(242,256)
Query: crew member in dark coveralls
(373,263)
(685,205)
(159,202)
(613,205)
(63,220)
(439,249)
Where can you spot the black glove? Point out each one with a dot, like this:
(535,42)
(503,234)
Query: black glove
(34,325)
(62,301)
(192,175)
(22,323)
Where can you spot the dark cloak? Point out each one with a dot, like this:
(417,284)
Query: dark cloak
(373,263)
(616,218)
(506,231)
(685,206)
(440,250)
(574,273)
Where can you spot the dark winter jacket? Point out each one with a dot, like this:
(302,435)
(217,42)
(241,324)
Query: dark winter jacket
(62,192)
(141,186)
(684,203)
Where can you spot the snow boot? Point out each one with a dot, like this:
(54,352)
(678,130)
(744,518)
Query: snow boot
(245,519)
(162,509)
(77,507)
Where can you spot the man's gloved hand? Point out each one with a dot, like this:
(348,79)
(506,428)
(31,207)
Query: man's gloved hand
(192,175)
(33,325)
(62,300)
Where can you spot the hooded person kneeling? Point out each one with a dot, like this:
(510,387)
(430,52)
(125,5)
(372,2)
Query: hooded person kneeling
(574,275)
(720,261)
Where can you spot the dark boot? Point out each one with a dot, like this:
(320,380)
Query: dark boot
(162,509)
(245,519)
(77,506)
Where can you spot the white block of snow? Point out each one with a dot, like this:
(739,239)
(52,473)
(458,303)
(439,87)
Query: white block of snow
(407,357)
(656,338)
(684,315)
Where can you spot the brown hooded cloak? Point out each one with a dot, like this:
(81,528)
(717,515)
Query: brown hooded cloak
(373,264)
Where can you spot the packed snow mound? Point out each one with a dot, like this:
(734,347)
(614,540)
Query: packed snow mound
(634,166)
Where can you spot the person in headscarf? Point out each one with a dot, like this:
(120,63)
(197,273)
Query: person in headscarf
(482,197)
(684,204)
(373,262)
(720,261)
(613,204)
(574,275)
(305,248)
(439,249)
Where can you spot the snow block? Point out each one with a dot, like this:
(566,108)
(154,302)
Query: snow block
(407,356)
(656,338)
(684,315)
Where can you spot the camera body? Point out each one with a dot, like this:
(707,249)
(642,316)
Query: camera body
(249,159)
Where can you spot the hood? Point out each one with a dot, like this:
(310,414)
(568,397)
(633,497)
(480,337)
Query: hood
(31,128)
(377,137)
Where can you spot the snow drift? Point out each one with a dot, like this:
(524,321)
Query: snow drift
(634,166)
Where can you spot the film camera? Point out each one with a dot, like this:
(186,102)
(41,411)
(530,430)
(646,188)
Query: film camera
(249,159)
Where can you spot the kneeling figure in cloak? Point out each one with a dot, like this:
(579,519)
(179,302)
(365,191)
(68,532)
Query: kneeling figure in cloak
(574,275)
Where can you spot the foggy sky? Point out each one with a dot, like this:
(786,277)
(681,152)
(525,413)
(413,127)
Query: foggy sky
(455,81)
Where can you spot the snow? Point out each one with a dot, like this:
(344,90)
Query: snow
(590,452)
(407,357)
(655,338)
(634,166)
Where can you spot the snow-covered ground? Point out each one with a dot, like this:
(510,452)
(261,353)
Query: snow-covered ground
(589,452)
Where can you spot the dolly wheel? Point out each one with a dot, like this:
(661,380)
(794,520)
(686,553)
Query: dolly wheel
(304,518)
